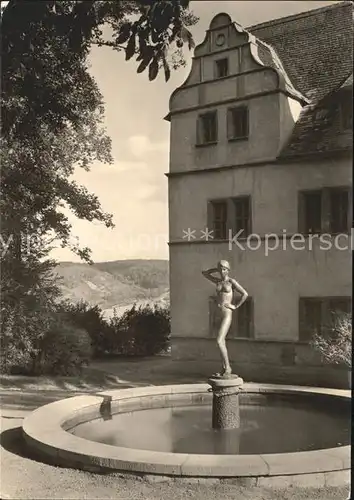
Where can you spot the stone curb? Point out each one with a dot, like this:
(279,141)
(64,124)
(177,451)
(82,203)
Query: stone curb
(44,431)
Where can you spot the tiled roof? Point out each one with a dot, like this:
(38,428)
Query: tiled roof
(315,49)
(319,129)
(270,58)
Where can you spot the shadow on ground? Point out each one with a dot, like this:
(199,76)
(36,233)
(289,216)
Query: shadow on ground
(12,441)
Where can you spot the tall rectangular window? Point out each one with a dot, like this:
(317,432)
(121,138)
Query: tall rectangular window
(243,220)
(312,212)
(218,219)
(310,318)
(207,128)
(339,210)
(346,114)
(242,326)
(237,123)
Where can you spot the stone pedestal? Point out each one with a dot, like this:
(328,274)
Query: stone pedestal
(226,406)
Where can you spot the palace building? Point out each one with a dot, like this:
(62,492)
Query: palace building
(261,147)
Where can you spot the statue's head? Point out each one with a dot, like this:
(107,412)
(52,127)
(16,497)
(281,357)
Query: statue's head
(224,268)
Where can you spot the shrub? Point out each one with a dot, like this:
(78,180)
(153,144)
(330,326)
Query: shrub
(65,348)
(90,318)
(143,331)
(335,344)
(22,332)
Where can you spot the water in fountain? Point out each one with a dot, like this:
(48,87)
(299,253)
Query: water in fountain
(269,424)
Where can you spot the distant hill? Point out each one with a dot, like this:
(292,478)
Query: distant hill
(117,284)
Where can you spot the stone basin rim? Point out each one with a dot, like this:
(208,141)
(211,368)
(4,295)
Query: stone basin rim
(43,432)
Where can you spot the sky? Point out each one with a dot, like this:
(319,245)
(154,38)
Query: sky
(134,188)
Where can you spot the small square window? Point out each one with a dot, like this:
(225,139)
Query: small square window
(207,130)
(221,68)
(237,123)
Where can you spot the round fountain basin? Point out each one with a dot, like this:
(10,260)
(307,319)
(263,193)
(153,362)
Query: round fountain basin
(271,424)
(287,433)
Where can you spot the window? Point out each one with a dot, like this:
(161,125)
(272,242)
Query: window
(207,129)
(242,320)
(337,306)
(237,123)
(318,313)
(312,206)
(221,68)
(310,318)
(243,215)
(218,222)
(346,115)
(339,208)
(324,210)
(230,214)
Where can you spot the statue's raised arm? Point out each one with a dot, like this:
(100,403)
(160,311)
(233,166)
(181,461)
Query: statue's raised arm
(208,274)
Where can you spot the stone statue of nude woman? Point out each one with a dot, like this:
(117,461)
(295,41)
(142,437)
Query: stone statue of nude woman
(225,287)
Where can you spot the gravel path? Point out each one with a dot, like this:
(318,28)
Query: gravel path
(25,478)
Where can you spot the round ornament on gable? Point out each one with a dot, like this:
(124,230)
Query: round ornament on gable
(220,39)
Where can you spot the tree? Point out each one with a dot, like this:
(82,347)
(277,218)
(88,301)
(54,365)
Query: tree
(52,122)
(52,110)
(29,294)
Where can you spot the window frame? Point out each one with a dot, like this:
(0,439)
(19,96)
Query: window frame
(326,216)
(325,314)
(248,200)
(211,216)
(218,65)
(231,128)
(201,130)
(346,115)
(339,190)
(230,219)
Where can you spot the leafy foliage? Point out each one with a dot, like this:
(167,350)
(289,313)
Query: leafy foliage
(335,344)
(140,331)
(90,318)
(143,331)
(52,122)
(65,349)
(52,110)
(28,302)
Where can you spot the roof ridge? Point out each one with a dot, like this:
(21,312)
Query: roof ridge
(308,13)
